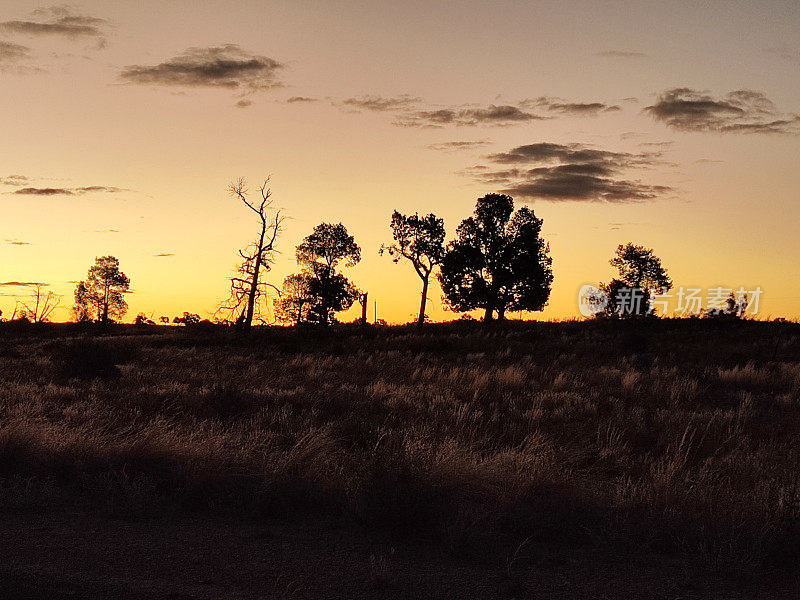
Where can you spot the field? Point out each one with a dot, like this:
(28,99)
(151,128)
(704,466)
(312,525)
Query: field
(655,459)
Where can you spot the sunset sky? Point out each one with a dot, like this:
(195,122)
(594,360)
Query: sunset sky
(669,124)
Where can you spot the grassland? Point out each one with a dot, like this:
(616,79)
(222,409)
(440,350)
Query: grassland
(630,460)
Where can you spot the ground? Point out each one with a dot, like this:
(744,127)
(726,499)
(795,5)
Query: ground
(565,460)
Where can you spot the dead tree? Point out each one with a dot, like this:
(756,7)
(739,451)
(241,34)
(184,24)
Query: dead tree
(41,305)
(247,288)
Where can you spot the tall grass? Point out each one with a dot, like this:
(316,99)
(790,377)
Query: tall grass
(463,436)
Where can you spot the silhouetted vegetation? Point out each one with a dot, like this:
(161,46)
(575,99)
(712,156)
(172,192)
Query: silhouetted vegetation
(101,296)
(498,262)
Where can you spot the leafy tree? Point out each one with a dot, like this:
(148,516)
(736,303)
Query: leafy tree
(164,320)
(420,240)
(294,302)
(640,275)
(101,296)
(247,288)
(498,261)
(319,254)
(187,319)
(143,319)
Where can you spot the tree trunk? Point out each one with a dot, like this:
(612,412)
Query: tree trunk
(423,303)
(488,315)
(251,298)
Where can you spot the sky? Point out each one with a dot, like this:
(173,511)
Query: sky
(673,125)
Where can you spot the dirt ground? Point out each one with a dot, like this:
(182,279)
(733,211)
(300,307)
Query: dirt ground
(75,555)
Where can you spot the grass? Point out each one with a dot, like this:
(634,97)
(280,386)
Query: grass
(677,437)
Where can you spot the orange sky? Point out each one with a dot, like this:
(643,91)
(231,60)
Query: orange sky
(97,95)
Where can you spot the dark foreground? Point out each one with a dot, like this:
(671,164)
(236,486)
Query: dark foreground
(574,460)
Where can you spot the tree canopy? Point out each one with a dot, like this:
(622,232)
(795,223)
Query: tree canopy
(101,296)
(498,261)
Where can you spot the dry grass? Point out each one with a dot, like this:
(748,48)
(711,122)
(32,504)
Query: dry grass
(680,437)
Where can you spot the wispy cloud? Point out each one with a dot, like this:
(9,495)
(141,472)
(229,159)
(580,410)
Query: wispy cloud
(14,180)
(227,66)
(15,242)
(740,111)
(559,105)
(60,21)
(785,52)
(12,54)
(163,254)
(302,99)
(621,54)
(572,172)
(22,284)
(381,103)
(455,146)
(492,115)
(49,191)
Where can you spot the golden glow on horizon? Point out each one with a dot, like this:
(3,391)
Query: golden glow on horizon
(729,222)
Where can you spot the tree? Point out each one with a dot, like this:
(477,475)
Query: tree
(498,262)
(101,295)
(247,288)
(187,319)
(164,320)
(319,254)
(641,275)
(41,305)
(143,319)
(420,240)
(294,302)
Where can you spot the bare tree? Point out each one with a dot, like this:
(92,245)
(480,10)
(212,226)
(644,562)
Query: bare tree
(41,305)
(247,288)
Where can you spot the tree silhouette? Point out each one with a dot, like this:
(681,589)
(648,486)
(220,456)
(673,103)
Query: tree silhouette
(187,319)
(420,240)
(498,262)
(295,299)
(39,308)
(101,295)
(319,254)
(247,288)
(640,275)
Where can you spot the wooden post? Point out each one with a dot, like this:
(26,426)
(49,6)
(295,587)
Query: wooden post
(363,301)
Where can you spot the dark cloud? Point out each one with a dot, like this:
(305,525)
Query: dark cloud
(163,254)
(294,99)
(32,191)
(572,172)
(58,20)
(218,66)
(453,146)
(741,111)
(381,103)
(621,54)
(243,103)
(16,242)
(48,191)
(490,115)
(580,109)
(22,284)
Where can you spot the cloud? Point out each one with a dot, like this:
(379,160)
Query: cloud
(48,191)
(621,54)
(741,111)
(571,172)
(381,103)
(14,180)
(11,54)
(579,109)
(163,254)
(58,20)
(453,146)
(302,99)
(22,284)
(226,66)
(501,115)
(16,242)
(243,103)
(785,52)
